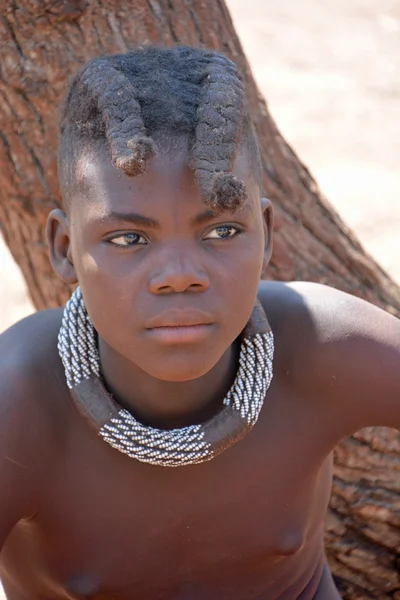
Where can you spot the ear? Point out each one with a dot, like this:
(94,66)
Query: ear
(268,215)
(58,238)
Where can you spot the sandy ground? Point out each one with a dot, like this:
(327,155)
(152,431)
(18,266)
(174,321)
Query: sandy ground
(331,73)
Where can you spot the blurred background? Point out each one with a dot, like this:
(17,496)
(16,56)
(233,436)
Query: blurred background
(330,71)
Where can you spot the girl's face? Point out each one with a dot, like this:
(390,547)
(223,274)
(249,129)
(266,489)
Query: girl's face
(168,284)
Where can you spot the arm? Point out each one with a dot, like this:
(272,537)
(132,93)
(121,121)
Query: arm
(14,495)
(23,430)
(354,358)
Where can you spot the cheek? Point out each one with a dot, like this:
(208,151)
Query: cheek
(100,268)
(245,264)
(108,289)
(237,282)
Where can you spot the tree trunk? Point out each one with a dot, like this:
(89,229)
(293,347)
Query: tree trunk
(43,43)
(362,527)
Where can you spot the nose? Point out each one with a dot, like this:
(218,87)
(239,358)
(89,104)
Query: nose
(179,272)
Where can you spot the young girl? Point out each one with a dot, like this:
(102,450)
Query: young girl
(169,434)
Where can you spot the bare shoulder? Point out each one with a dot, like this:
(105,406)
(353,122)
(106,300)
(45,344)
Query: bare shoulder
(317,312)
(286,302)
(322,313)
(344,353)
(290,310)
(310,320)
(30,368)
(30,376)
(28,350)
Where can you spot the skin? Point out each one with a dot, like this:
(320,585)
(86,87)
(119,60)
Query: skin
(79,519)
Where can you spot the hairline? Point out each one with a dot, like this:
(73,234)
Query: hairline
(166,142)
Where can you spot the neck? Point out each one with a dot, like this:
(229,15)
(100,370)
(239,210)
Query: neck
(167,404)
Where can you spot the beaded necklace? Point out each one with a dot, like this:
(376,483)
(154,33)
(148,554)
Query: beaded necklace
(77,346)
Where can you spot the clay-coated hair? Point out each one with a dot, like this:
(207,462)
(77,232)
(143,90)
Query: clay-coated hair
(130,100)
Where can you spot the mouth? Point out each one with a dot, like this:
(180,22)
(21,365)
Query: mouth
(177,334)
(180,326)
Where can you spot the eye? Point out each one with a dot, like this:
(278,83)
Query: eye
(222,232)
(127,239)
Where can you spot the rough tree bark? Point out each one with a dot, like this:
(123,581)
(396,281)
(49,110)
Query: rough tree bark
(42,43)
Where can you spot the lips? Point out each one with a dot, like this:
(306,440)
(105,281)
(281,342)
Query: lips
(186,326)
(180,318)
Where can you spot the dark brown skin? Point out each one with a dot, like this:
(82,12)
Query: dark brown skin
(78,519)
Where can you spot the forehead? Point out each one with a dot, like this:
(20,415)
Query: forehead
(167,178)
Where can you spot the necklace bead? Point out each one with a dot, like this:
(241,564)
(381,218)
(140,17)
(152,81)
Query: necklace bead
(77,346)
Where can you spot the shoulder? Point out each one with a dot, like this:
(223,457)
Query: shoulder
(343,352)
(299,294)
(30,376)
(311,322)
(30,368)
(28,352)
(323,314)
(291,309)
(316,312)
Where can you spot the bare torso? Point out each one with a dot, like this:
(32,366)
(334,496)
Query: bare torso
(245,526)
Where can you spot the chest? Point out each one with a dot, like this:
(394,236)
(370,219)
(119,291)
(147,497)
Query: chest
(110,523)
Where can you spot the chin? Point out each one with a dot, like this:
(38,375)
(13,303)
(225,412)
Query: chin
(180,370)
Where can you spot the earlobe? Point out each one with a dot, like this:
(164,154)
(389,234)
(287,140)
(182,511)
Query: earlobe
(58,239)
(268,216)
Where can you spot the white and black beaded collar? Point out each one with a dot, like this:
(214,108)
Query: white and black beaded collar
(77,345)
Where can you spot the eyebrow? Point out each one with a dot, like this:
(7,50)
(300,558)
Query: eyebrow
(204,217)
(134,218)
(209,214)
(142,221)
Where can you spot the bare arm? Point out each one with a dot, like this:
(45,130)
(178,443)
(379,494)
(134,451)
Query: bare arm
(14,467)
(23,429)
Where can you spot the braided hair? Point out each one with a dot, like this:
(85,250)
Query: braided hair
(150,92)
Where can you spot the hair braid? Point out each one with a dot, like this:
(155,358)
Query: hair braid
(220,116)
(125,130)
(156,95)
